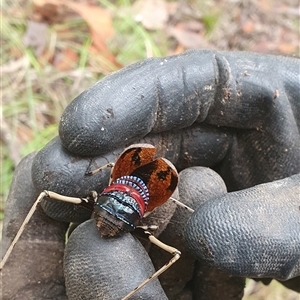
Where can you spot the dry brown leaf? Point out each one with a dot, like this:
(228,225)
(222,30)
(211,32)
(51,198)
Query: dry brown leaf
(248,27)
(189,34)
(98,19)
(153,14)
(179,49)
(265,5)
(262,45)
(287,48)
(48,13)
(66,60)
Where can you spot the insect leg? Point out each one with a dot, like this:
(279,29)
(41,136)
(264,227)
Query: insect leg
(109,165)
(177,202)
(63,198)
(49,194)
(176,255)
(147,227)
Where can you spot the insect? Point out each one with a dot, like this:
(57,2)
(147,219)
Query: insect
(138,184)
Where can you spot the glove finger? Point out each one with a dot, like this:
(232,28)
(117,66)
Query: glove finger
(250,233)
(200,185)
(55,169)
(192,183)
(34,268)
(159,94)
(107,269)
(211,283)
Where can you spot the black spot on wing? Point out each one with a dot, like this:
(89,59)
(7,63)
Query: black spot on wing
(132,155)
(162,175)
(135,158)
(145,172)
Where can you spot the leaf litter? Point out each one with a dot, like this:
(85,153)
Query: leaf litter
(71,42)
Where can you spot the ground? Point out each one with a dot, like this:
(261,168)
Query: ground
(52,50)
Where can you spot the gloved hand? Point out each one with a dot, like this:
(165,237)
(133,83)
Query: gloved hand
(236,113)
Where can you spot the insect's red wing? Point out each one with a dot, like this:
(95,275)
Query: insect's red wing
(132,158)
(161,178)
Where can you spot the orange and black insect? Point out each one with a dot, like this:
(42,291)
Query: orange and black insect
(139,184)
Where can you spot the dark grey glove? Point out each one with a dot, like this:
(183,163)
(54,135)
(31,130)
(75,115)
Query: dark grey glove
(235,112)
(35,268)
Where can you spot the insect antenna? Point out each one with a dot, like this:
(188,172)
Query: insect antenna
(108,165)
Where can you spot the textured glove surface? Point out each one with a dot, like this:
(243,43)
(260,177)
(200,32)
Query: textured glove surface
(34,269)
(98,268)
(251,233)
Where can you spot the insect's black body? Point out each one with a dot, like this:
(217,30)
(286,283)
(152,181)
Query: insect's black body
(121,205)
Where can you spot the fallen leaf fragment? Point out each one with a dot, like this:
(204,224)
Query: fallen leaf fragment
(99,21)
(287,48)
(189,34)
(36,36)
(248,27)
(66,60)
(153,14)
